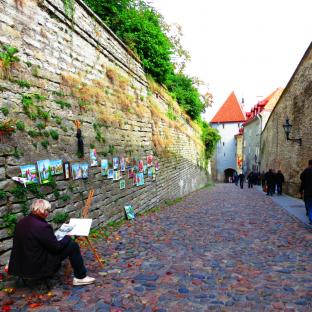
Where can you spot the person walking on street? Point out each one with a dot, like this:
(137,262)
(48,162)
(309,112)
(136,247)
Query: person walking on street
(270,182)
(250,178)
(235,176)
(279,182)
(306,189)
(241,178)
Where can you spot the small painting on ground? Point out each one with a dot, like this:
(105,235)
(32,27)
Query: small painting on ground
(117,175)
(29,172)
(56,166)
(80,171)
(129,212)
(122,164)
(122,184)
(66,170)
(110,173)
(157,167)
(131,173)
(141,166)
(115,162)
(104,167)
(149,159)
(93,159)
(44,170)
(139,179)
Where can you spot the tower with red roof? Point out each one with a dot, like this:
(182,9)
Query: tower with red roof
(227,121)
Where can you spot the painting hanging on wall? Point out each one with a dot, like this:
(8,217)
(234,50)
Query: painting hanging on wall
(149,160)
(80,171)
(66,168)
(117,175)
(129,212)
(29,172)
(104,167)
(110,173)
(122,184)
(139,179)
(93,159)
(44,171)
(122,164)
(115,163)
(56,166)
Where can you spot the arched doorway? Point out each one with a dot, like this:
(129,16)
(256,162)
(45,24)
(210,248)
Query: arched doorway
(228,174)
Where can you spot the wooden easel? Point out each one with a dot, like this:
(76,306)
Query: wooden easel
(84,215)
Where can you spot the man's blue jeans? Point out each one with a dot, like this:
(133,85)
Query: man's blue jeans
(308,205)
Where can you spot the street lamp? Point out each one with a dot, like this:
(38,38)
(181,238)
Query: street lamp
(287,128)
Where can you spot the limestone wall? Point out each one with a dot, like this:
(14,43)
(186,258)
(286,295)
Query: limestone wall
(77,70)
(296,103)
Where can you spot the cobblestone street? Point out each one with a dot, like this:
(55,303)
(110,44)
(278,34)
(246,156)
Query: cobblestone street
(220,249)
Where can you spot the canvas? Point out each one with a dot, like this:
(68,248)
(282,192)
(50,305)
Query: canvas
(141,166)
(122,164)
(44,171)
(56,166)
(145,169)
(115,163)
(104,167)
(29,172)
(129,212)
(139,179)
(93,159)
(116,176)
(80,171)
(131,173)
(150,172)
(149,160)
(66,170)
(122,184)
(157,165)
(110,173)
(128,162)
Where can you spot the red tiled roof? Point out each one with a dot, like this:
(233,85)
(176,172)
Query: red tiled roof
(230,111)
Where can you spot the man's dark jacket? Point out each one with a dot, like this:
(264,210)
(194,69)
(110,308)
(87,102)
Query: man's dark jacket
(36,251)
(306,183)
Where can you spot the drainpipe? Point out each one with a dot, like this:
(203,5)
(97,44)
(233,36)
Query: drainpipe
(260,131)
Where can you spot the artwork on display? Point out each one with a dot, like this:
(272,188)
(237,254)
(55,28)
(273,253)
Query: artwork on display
(104,167)
(128,162)
(153,173)
(129,212)
(122,164)
(145,169)
(141,166)
(139,179)
(93,159)
(44,171)
(157,165)
(56,166)
(29,172)
(149,159)
(122,184)
(110,173)
(116,175)
(115,163)
(66,169)
(134,179)
(80,171)
(150,172)
(131,173)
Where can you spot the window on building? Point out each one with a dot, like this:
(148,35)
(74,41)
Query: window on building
(223,126)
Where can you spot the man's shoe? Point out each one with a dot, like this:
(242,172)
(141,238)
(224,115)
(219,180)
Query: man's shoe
(83,281)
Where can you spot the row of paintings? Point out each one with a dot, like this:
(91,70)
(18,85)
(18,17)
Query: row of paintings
(48,168)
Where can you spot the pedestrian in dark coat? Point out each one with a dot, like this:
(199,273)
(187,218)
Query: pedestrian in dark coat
(250,178)
(241,178)
(306,189)
(270,182)
(279,182)
(36,252)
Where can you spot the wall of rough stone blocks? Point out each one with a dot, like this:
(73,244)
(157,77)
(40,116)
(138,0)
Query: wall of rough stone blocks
(296,104)
(77,69)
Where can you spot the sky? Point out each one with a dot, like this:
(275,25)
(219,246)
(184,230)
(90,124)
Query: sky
(246,46)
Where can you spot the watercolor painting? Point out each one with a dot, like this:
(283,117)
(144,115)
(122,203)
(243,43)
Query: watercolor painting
(145,169)
(29,172)
(149,159)
(104,167)
(131,173)
(44,171)
(150,172)
(128,162)
(157,167)
(115,163)
(141,166)
(117,175)
(139,179)
(56,166)
(66,170)
(129,212)
(122,184)
(122,164)
(93,159)
(110,173)
(80,171)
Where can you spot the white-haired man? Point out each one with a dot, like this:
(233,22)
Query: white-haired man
(36,252)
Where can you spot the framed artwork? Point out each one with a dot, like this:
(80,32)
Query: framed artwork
(128,162)
(134,162)
(141,166)
(145,169)
(93,159)
(139,179)
(131,173)
(149,160)
(116,175)
(150,172)
(134,179)
(122,164)
(29,172)
(157,165)
(110,173)
(153,173)
(66,169)
(129,212)
(44,171)
(104,167)
(122,184)
(56,166)
(115,163)
(80,171)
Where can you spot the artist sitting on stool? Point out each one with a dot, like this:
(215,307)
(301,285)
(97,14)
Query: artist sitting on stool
(36,252)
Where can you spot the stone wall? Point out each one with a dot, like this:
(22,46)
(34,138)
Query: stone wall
(77,70)
(296,104)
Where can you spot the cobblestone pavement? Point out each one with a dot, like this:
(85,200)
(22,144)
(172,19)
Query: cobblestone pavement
(220,249)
